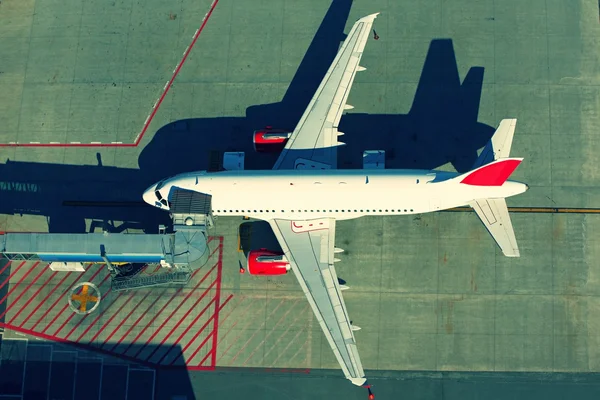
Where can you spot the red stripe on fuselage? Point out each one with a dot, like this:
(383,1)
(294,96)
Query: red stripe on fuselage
(494,174)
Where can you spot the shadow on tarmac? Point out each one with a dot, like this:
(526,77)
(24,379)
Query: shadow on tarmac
(441,127)
(40,370)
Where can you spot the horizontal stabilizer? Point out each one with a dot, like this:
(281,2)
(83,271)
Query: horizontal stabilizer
(493,174)
(494,215)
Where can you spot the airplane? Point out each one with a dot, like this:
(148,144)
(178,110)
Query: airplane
(304,195)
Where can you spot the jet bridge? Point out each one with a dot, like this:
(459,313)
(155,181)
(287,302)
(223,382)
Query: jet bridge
(179,249)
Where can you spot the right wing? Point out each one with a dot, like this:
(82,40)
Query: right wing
(494,215)
(309,248)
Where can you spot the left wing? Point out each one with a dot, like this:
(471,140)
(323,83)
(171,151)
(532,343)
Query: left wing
(309,248)
(313,143)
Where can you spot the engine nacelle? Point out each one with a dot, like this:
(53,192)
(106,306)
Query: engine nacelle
(269,140)
(266,262)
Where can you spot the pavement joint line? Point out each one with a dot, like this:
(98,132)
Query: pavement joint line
(155,315)
(288,328)
(44,301)
(7,280)
(60,297)
(271,331)
(257,330)
(214,333)
(140,135)
(172,313)
(13,303)
(33,296)
(186,330)
(126,318)
(112,317)
(138,320)
(288,346)
(200,298)
(73,314)
(238,336)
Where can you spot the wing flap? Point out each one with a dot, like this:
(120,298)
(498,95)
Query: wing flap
(493,213)
(310,254)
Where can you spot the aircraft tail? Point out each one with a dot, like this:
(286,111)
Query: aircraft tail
(499,145)
(493,174)
(493,213)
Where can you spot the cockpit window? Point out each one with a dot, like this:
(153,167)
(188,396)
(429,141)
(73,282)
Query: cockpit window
(164,202)
(158,195)
(160,184)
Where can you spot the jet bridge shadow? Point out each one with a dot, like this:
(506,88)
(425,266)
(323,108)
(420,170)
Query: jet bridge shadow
(440,127)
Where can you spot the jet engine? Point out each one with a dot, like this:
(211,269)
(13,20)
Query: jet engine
(269,140)
(266,262)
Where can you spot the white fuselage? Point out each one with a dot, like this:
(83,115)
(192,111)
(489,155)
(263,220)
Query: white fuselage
(340,194)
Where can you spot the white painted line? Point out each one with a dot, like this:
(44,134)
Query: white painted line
(12,142)
(154,106)
(96,142)
(166,84)
(196,32)
(147,118)
(54,142)
(75,142)
(116,142)
(186,50)
(34,142)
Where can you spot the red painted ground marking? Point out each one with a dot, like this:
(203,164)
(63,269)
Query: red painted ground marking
(210,353)
(44,299)
(125,319)
(138,320)
(33,297)
(72,314)
(227,316)
(75,344)
(243,312)
(270,332)
(14,287)
(6,266)
(154,108)
(109,320)
(288,346)
(213,333)
(208,289)
(286,331)
(176,341)
(161,310)
(255,332)
(12,274)
(15,301)
(217,306)
(57,300)
(289,360)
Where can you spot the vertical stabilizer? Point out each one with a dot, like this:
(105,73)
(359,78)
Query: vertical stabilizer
(499,145)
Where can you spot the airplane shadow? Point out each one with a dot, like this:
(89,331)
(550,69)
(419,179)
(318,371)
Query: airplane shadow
(440,127)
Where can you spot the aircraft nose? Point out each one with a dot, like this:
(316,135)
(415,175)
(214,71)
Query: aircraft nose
(149,196)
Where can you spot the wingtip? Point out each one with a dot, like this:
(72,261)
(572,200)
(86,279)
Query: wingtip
(369,18)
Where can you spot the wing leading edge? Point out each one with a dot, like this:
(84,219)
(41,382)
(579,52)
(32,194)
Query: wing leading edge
(309,247)
(313,143)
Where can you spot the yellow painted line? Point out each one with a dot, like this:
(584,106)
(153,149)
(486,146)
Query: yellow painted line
(538,210)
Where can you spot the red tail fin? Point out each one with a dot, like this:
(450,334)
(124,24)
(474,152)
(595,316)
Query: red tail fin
(492,174)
